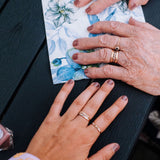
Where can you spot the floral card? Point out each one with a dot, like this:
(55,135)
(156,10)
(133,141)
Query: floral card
(64,23)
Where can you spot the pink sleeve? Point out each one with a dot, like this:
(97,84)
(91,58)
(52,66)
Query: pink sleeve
(24,156)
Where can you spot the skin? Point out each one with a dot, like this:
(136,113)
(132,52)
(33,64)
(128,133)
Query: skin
(70,137)
(139,54)
(99,5)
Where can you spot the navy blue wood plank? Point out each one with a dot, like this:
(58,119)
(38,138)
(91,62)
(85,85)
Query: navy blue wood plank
(33,97)
(21,35)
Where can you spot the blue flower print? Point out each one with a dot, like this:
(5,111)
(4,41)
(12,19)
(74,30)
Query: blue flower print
(59,13)
(70,71)
(51,46)
(110,14)
(65,73)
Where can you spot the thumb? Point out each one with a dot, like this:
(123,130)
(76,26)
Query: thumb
(106,153)
(135,3)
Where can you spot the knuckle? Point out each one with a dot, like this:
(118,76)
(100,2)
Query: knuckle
(130,78)
(133,31)
(114,26)
(133,44)
(102,54)
(57,101)
(48,121)
(107,70)
(77,102)
(105,157)
(107,117)
(102,40)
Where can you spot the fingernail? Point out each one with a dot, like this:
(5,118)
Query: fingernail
(125,98)
(110,82)
(76,2)
(116,147)
(88,9)
(75,43)
(96,84)
(75,56)
(86,71)
(90,28)
(133,6)
(70,81)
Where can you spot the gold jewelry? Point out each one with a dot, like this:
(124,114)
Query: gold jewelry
(96,127)
(117,48)
(84,115)
(114,56)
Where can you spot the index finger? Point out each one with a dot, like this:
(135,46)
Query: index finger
(107,117)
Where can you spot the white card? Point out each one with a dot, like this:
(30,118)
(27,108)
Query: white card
(64,23)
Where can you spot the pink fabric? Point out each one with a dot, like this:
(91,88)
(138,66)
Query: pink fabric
(24,156)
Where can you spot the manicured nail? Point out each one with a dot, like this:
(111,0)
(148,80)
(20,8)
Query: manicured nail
(96,84)
(125,98)
(75,43)
(88,9)
(76,2)
(116,147)
(133,6)
(75,56)
(110,82)
(86,71)
(90,28)
(70,81)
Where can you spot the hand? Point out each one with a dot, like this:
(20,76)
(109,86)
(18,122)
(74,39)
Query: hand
(69,137)
(99,5)
(139,55)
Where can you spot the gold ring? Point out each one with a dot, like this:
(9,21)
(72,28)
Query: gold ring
(116,56)
(117,48)
(112,55)
(84,115)
(96,127)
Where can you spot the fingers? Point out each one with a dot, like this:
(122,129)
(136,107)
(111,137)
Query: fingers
(81,3)
(106,41)
(60,100)
(107,71)
(106,118)
(99,5)
(81,100)
(106,153)
(136,23)
(113,27)
(96,7)
(95,102)
(99,56)
(135,3)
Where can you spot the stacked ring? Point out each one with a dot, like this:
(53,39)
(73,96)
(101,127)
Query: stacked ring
(114,56)
(84,115)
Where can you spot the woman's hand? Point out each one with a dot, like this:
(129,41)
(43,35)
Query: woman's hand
(99,5)
(70,137)
(139,55)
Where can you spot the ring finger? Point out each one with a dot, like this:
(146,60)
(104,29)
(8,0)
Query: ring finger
(106,118)
(99,56)
(95,102)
